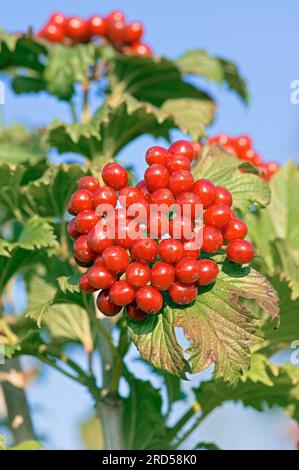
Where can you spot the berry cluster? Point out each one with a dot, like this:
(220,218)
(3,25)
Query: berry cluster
(125,37)
(242,147)
(140,241)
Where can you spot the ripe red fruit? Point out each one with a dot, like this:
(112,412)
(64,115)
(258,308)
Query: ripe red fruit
(240,251)
(140,48)
(129,195)
(212,239)
(88,182)
(86,220)
(115,175)
(187,271)
(217,215)
(272,168)
(82,200)
(171,250)
(82,250)
(121,293)
(143,188)
(190,204)
(77,28)
(127,235)
(116,259)
(183,294)
(52,32)
(191,249)
(99,239)
(223,196)
(71,230)
(69,209)
(197,147)
(157,155)
(235,229)
(99,277)
(243,143)
(157,225)
(145,250)
(116,31)
(162,275)
(182,147)
(140,211)
(163,198)
(138,274)
(97,26)
(206,191)
(58,19)
(105,305)
(208,271)
(178,162)
(156,177)
(115,15)
(105,199)
(149,299)
(181,181)
(181,228)
(133,32)
(134,313)
(84,284)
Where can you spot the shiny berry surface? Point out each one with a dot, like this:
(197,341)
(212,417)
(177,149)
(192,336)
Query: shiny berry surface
(206,191)
(149,299)
(88,182)
(240,251)
(86,220)
(162,275)
(208,271)
(187,271)
(105,306)
(82,200)
(183,294)
(115,176)
(212,239)
(134,313)
(217,215)
(181,181)
(157,155)
(99,277)
(235,229)
(82,250)
(145,250)
(156,177)
(138,274)
(116,259)
(122,293)
(171,250)
(183,148)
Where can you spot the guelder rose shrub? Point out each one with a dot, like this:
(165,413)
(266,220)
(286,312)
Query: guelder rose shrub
(153,244)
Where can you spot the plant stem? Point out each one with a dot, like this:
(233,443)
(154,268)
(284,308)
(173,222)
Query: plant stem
(85,110)
(73,112)
(17,406)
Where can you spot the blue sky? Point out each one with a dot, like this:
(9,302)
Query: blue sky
(261,37)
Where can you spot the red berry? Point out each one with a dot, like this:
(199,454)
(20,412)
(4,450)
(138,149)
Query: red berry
(77,28)
(105,305)
(133,32)
(86,220)
(221,139)
(190,205)
(99,277)
(187,271)
(127,235)
(206,191)
(97,26)
(116,31)
(197,147)
(163,198)
(208,271)
(191,249)
(181,228)
(83,264)
(157,155)
(181,181)
(115,175)
(149,299)
(99,239)
(158,225)
(82,250)
(138,274)
(217,215)
(235,229)
(71,230)
(139,48)
(140,211)
(183,148)
(129,195)
(143,188)
(162,275)
(145,250)
(156,177)
(88,182)
(240,251)
(272,167)
(58,19)
(121,293)
(84,284)
(243,143)
(183,294)
(82,200)
(223,196)
(105,200)
(178,162)
(115,15)
(171,250)
(69,209)
(212,239)
(135,314)
(52,32)
(116,259)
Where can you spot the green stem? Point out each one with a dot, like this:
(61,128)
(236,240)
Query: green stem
(73,112)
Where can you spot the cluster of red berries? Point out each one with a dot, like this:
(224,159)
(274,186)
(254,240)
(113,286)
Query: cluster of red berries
(242,147)
(125,37)
(132,267)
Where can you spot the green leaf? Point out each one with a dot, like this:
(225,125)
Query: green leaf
(28,445)
(14,154)
(156,341)
(280,388)
(92,434)
(144,426)
(223,169)
(207,446)
(26,84)
(36,233)
(21,51)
